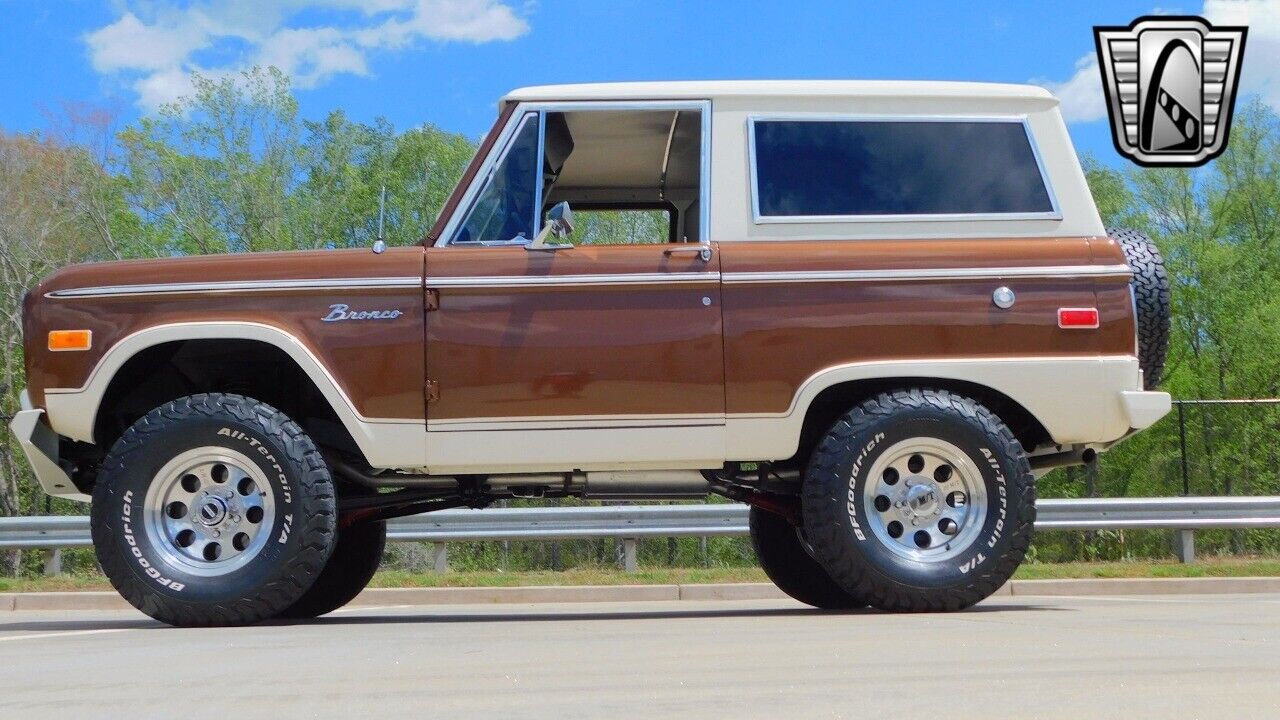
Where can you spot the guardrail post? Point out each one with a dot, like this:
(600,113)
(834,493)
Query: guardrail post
(629,563)
(53,562)
(1185,545)
(440,557)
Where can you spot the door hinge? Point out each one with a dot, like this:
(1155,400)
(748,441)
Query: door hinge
(432,301)
(433,391)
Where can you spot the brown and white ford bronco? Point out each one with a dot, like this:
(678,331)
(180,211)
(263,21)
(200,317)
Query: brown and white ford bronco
(873,311)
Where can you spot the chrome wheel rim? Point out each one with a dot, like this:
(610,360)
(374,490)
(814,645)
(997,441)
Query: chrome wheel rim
(209,511)
(925,500)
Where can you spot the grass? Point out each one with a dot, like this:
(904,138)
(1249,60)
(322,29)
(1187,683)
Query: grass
(577,576)
(1215,567)
(1212,567)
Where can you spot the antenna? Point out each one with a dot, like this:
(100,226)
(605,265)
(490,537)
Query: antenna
(381,244)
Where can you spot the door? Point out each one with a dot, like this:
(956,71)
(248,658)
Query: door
(604,354)
(586,358)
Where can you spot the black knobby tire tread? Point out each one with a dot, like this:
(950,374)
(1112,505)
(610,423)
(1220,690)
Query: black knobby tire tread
(355,559)
(785,560)
(1150,285)
(315,520)
(825,520)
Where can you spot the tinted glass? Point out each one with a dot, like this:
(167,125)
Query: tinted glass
(504,210)
(896,168)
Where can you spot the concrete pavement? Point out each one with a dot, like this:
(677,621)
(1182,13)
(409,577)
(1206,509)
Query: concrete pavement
(110,600)
(1011,657)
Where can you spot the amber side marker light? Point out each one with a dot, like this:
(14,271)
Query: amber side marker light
(1078,318)
(63,340)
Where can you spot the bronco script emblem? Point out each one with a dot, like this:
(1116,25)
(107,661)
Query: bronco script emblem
(1170,85)
(343,312)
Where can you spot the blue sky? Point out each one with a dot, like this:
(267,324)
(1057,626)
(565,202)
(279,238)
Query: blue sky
(447,61)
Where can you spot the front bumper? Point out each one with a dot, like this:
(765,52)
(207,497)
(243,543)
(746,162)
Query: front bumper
(40,444)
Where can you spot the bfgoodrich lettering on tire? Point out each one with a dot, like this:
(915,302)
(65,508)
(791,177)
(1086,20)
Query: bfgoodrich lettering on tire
(213,509)
(919,500)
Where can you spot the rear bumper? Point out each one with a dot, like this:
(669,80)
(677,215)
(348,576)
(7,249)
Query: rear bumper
(40,444)
(1144,408)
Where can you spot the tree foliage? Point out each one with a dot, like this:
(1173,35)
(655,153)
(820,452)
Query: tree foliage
(232,168)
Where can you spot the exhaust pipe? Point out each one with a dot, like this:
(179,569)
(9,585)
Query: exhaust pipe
(1063,459)
(646,485)
(623,485)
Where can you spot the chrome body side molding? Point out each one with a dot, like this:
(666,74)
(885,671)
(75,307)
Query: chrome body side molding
(235,286)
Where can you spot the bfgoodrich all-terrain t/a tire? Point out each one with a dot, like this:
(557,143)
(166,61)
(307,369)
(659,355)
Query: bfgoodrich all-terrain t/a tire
(350,568)
(919,500)
(1150,286)
(789,565)
(213,509)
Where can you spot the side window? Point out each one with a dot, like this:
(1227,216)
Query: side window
(850,168)
(505,209)
(627,226)
(631,175)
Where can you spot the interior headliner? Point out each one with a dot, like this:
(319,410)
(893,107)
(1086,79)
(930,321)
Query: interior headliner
(626,148)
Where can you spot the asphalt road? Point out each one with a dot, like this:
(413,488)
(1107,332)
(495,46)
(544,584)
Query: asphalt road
(1132,657)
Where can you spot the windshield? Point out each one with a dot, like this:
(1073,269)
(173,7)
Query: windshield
(504,211)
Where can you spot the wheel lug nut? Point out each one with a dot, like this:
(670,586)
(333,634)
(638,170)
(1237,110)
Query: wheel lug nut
(217,533)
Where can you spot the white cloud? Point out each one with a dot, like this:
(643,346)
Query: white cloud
(1081,95)
(1260,71)
(154,46)
(161,87)
(130,44)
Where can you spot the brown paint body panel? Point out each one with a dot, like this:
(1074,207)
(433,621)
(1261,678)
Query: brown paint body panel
(660,348)
(574,349)
(377,363)
(779,334)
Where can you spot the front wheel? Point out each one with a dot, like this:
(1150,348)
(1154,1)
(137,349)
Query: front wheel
(213,509)
(919,500)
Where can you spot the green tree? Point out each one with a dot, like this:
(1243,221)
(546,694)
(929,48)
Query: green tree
(213,172)
(347,164)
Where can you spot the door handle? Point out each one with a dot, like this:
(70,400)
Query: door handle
(702,251)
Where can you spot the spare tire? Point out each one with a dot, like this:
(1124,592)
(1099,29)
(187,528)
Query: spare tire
(1150,285)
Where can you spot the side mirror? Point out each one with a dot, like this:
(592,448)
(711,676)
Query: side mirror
(560,218)
(559,223)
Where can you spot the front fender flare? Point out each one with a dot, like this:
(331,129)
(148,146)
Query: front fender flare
(385,442)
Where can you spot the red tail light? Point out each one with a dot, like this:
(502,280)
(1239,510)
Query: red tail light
(1078,318)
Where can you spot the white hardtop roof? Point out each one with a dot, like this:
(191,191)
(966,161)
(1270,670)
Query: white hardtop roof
(710,90)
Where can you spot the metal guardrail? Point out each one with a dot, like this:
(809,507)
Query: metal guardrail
(631,522)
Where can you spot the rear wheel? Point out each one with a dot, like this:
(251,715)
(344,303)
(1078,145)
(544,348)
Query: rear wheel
(213,509)
(787,562)
(919,500)
(354,561)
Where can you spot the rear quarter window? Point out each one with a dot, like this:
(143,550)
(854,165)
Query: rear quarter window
(869,168)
